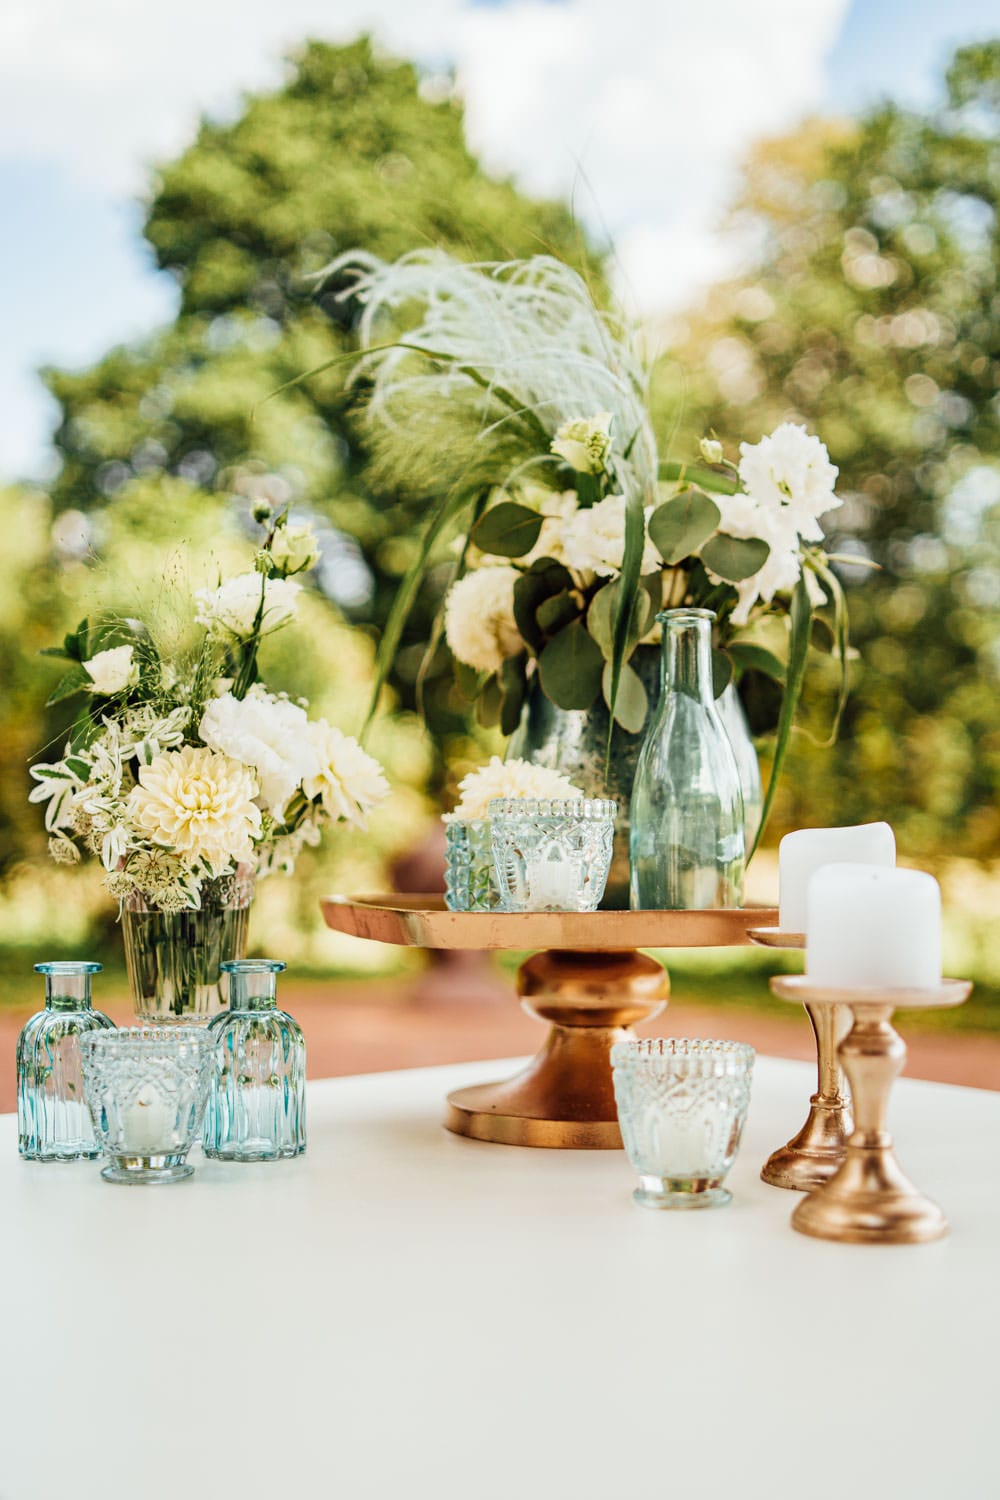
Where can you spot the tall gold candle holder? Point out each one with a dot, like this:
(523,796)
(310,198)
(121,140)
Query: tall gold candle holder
(816,1152)
(869,1200)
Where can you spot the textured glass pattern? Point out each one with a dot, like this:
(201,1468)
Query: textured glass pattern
(173,958)
(552,855)
(469,881)
(681,1106)
(257,1095)
(688,846)
(146,1088)
(53,1121)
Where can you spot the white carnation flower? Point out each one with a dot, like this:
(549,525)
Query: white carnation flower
(348,781)
(200,805)
(111,671)
(557,510)
(781,568)
(234,605)
(593,540)
(790,474)
(271,735)
(507,778)
(585,443)
(479,622)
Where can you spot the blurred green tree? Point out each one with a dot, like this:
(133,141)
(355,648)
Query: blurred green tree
(354,151)
(871,312)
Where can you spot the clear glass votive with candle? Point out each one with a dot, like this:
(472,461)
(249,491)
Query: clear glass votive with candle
(146,1088)
(681,1105)
(552,855)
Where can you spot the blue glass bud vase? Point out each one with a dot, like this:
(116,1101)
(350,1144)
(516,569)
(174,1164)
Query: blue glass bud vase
(687,843)
(257,1095)
(53,1121)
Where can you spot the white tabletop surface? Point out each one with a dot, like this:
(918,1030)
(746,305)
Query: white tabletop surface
(404,1313)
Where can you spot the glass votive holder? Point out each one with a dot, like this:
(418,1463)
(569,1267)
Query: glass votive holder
(257,1091)
(681,1106)
(551,855)
(146,1088)
(469,881)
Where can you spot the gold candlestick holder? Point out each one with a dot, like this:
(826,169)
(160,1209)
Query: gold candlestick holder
(816,1152)
(869,1200)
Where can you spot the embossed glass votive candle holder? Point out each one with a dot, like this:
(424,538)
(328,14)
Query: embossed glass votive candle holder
(681,1106)
(469,881)
(552,855)
(146,1087)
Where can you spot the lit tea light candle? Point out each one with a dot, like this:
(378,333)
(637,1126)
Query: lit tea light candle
(146,1124)
(553,883)
(806,850)
(869,927)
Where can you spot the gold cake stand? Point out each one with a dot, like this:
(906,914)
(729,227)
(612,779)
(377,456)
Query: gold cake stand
(589,983)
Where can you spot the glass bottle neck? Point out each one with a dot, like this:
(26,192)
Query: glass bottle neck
(687,657)
(253,991)
(66,992)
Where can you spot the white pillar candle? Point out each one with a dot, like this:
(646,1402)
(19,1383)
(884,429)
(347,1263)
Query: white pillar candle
(146,1124)
(807,849)
(872,928)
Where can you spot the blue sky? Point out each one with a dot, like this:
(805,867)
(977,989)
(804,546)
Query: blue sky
(78,128)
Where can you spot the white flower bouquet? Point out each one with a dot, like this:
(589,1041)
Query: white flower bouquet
(180,772)
(519,410)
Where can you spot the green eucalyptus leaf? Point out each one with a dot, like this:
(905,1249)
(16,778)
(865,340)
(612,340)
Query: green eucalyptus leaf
(543,580)
(734,558)
(553,613)
(800,617)
(632,703)
(722,673)
(601,616)
(513,688)
(680,526)
(570,668)
(721,481)
(752,658)
(489,703)
(468,681)
(507,530)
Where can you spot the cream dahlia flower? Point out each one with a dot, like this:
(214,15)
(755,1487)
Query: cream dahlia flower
(268,734)
(593,540)
(507,778)
(479,622)
(111,671)
(348,781)
(199,804)
(234,604)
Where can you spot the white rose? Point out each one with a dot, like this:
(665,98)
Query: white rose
(270,735)
(479,622)
(294,549)
(234,605)
(585,443)
(593,541)
(111,671)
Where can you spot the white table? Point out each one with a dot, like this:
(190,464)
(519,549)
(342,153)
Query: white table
(405,1313)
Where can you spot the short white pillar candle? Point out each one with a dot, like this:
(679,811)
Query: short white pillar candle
(872,928)
(807,849)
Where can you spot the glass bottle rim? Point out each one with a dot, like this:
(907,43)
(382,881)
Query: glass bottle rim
(684,616)
(64,967)
(252,965)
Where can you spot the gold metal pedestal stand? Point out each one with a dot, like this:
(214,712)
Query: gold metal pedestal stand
(590,984)
(869,1200)
(812,1156)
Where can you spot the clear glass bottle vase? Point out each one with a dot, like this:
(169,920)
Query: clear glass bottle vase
(53,1121)
(257,1095)
(687,841)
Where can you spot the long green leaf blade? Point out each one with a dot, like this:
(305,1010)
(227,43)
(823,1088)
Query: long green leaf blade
(798,648)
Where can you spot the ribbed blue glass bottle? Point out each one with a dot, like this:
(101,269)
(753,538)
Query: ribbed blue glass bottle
(257,1096)
(53,1121)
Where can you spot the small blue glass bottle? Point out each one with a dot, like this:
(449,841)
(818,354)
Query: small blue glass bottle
(53,1121)
(257,1096)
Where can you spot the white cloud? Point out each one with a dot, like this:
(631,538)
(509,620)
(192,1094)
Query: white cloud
(639,109)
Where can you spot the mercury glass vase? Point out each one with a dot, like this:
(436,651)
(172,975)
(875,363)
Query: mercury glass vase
(257,1097)
(687,839)
(53,1121)
(174,958)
